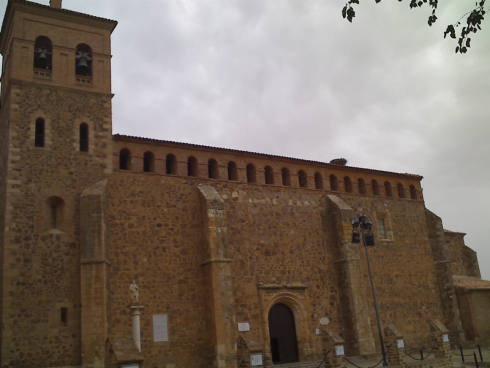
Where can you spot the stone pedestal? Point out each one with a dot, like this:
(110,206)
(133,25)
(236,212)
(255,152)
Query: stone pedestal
(440,336)
(395,346)
(333,344)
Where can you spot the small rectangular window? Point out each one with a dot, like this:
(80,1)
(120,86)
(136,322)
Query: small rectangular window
(381,229)
(64,316)
(53,217)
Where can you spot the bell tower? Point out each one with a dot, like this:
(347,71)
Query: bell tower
(55,141)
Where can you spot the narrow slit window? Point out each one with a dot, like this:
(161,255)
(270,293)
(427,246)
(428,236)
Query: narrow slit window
(39,133)
(54,217)
(55,207)
(83,137)
(64,316)
(382,229)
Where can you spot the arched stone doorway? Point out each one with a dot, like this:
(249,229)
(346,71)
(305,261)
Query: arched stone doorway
(282,332)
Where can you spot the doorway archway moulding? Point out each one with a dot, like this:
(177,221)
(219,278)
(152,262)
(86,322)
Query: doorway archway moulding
(295,297)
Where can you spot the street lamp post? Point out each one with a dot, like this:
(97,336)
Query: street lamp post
(368,240)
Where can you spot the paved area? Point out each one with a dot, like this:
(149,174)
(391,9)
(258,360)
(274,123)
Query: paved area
(371,361)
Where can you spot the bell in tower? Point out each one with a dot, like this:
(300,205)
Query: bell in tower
(42,53)
(83,60)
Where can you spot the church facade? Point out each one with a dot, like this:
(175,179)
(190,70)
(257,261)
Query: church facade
(125,251)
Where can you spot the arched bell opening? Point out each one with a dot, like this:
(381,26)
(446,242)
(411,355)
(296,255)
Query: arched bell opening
(282,333)
(83,60)
(43,53)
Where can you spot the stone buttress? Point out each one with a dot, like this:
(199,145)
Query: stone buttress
(217,278)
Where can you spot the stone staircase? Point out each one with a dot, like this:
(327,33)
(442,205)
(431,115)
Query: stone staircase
(298,365)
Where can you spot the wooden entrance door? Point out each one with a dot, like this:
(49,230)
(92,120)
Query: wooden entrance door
(284,346)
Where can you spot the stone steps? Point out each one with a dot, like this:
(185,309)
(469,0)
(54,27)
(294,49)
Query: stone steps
(298,365)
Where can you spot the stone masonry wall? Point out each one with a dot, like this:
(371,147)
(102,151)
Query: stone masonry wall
(4,123)
(42,272)
(463,259)
(276,236)
(402,267)
(155,238)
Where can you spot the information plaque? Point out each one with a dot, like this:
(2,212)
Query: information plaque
(160,328)
(256,359)
(244,326)
(339,350)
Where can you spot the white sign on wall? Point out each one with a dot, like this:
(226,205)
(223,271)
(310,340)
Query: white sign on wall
(400,343)
(160,328)
(244,326)
(339,350)
(445,338)
(255,359)
(324,321)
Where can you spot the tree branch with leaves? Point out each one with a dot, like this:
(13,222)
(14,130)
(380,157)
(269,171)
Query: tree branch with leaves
(474,19)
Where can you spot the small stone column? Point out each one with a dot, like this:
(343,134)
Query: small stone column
(135,316)
(395,346)
(440,336)
(334,345)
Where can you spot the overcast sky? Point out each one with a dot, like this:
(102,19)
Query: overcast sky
(292,78)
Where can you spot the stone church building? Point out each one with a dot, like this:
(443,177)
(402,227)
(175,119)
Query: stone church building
(126,251)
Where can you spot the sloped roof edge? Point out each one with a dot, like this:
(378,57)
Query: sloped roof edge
(471,283)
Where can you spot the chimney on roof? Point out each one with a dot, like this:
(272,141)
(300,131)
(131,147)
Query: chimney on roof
(55,4)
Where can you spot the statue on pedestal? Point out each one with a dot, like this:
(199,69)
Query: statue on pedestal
(134,292)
